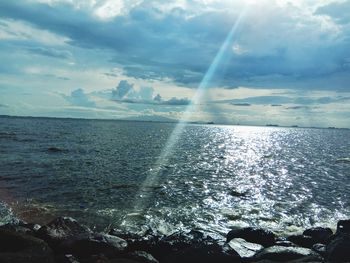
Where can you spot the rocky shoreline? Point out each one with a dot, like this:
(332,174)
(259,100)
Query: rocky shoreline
(64,240)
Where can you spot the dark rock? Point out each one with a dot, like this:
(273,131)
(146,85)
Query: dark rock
(338,249)
(97,259)
(279,253)
(319,234)
(61,229)
(204,253)
(302,240)
(32,226)
(17,247)
(85,245)
(17,229)
(254,235)
(142,257)
(122,260)
(285,243)
(193,246)
(343,226)
(67,258)
(319,248)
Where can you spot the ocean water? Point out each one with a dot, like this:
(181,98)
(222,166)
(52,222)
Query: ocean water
(108,173)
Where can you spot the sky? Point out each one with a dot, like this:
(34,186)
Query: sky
(285,62)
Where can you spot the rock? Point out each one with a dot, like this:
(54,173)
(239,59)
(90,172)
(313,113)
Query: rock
(343,226)
(319,234)
(17,247)
(320,249)
(193,246)
(254,235)
(142,257)
(302,240)
(17,229)
(338,249)
(147,242)
(61,229)
(85,245)
(204,253)
(279,253)
(68,258)
(285,243)
(243,248)
(32,226)
(122,260)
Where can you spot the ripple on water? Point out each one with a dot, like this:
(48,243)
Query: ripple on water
(217,177)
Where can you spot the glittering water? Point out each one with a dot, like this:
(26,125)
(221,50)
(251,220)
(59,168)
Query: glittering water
(217,176)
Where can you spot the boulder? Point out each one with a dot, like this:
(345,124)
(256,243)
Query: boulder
(320,249)
(121,260)
(254,235)
(285,243)
(17,229)
(192,246)
(18,247)
(343,226)
(86,245)
(338,249)
(284,254)
(302,240)
(204,253)
(319,234)
(243,248)
(67,258)
(61,229)
(142,257)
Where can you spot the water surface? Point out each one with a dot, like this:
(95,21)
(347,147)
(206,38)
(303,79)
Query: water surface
(215,178)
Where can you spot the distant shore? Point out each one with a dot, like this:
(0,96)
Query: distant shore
(176,121)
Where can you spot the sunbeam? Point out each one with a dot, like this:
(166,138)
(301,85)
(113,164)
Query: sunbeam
(163,158)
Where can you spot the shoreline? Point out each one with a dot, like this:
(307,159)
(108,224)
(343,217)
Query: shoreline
(66,240)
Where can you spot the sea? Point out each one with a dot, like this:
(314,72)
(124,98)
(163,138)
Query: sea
(141,176)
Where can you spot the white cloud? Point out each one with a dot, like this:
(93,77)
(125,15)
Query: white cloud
(17,30)
(238,49)
(109,9)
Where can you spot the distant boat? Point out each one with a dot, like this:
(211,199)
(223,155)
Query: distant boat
(271,125)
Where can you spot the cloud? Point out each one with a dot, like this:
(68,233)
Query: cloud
(297,107)
(50,52)
(288,99)
(125,92)
(339,11)
(176,102)
(122,90)
(79,98)
(241,104)
(298,46)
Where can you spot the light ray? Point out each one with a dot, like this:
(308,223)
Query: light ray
(153,176)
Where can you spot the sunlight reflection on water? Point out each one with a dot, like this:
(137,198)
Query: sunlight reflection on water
(216,178)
